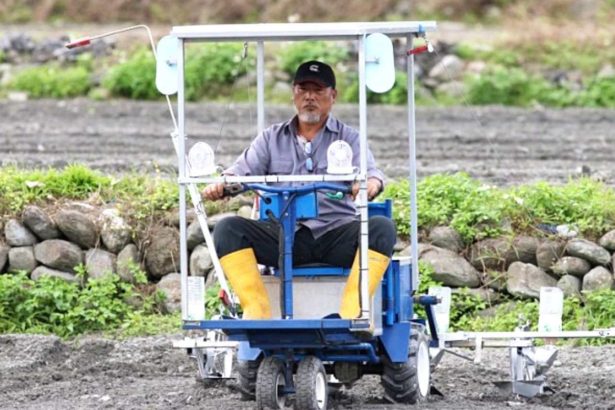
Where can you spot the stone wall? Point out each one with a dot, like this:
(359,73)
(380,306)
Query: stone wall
(53,242)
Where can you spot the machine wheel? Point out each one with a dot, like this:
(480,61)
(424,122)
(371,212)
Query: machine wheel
(247,371)
(311,385)
(270,384)
(409,382)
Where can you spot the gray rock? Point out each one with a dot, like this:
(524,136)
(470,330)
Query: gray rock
(40,223)
(245,211)
(194,235)
(547,253)
(45,271)
(162,253)
(447,69)
(447,238)
(571,265)
(608,240)
(78,228)
(99,263)
(523,250)
(490,254)
(17,234)
(170,285)
(452,88)
(4,254)
(598,278)
(115,232)
(450,268)
(200,261)
(59,254)
(590,251)
(21,259)
(172,217)
(126,260)
(570,285)
(525,280)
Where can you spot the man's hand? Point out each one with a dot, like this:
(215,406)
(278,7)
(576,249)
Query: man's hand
(213,192)
(374,185)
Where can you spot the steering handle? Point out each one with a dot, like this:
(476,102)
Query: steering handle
(319,186)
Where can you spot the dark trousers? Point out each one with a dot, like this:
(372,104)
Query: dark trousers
(336,247)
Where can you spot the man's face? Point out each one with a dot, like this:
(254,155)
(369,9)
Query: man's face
(313,101)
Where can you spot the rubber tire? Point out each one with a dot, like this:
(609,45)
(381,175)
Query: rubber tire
(400,380)
(247,371)
(306,382)
(268,377)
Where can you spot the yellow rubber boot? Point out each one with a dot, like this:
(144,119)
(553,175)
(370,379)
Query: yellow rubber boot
(241,270)
(377,265)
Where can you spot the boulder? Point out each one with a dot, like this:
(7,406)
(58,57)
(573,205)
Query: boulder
(245,211)
(490,254)
(447,238)
(570,285)
(4,254)
(525,280)
(450,268)
(447,69)
(58,254)
(588,250)
(170,286)
(114,232)
(17,234)
(194,235)
(99,263)
(21,259)
(452,88)
(608,241)
(40,223)
(598,278)
(126,260)
(200,261)
(523,250)
(162,253)
(571,265)
(41,271)
(548,252)
(77,227)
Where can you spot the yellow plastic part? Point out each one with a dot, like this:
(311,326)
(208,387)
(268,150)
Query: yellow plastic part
(241,269)
(377,265)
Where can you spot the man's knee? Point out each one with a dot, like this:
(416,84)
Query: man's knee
(227,235)
(382,234)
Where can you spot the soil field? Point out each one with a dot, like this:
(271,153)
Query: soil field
(42,372)
(501,146)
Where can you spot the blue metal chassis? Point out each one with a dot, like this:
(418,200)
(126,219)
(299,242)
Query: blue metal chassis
(330,339)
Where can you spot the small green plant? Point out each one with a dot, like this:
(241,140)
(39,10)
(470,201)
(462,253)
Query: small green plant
(52,81)
(134,78)
(293,55)
(506,86)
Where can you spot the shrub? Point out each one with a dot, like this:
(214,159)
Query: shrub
(52,81)
(296,53)
(506,87)
(134,78)
(51,305)
(396,95)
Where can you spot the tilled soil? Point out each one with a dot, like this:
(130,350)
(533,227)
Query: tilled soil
(501,146)
(43,372)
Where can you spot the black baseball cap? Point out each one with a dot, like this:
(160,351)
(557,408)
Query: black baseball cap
(316,71)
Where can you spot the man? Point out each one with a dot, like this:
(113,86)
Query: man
(299,147)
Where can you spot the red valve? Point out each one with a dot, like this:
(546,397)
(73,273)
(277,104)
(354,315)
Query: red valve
(223,296)
(418,50)
(78,43)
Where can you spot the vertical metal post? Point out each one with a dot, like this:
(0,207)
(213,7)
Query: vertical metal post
(260,86)
(181,165)
(363,240)
(412,156)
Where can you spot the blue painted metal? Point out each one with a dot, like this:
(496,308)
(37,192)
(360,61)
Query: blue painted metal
(305,205)
(288,221)
(229,324)
(395,340)
(245,352)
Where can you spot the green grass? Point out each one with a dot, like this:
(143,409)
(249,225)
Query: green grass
(52,81)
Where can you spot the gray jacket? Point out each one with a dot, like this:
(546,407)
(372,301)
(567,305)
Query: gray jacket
(278,151)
